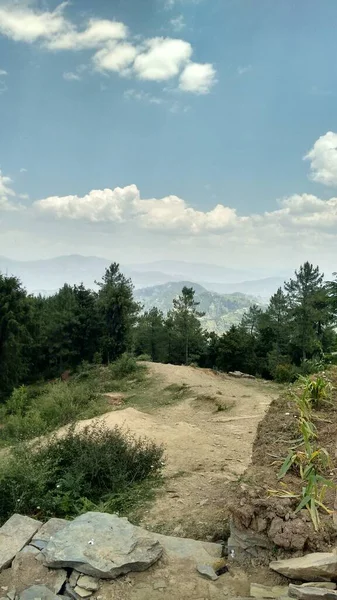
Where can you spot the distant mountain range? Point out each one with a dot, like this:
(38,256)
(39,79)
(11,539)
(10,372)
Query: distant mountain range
(47,276)
(221,310)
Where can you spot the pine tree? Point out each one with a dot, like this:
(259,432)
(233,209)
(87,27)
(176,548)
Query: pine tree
(308,309)
(186,321)
(118,312)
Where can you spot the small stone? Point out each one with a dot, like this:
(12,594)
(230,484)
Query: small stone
(11,595)
(159,585)
(81,592)
(88,583)
(74,578)
(207,571)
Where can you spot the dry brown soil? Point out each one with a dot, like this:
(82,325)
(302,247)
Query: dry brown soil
(206,448)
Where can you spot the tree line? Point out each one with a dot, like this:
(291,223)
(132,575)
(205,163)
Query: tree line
(40,337)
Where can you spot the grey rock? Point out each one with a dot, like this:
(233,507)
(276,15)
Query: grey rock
(50,528)
(207,571)
(319,566)
(264,591)
(88,583)
(69,592)
(311,593)
(102,545)
(82,593)
(185,548)
(328,585)
(26,571)
(14,535)
(11,595)
(74,578)
(37,592)
(30,550)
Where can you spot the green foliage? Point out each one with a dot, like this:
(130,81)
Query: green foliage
(144,358)
(124,366)
(318,389)
(306,458)
(285,373)
(95,469)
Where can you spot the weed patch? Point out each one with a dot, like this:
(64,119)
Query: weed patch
(95,469)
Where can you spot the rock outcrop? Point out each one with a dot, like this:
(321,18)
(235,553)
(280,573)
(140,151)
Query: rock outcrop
(319,566)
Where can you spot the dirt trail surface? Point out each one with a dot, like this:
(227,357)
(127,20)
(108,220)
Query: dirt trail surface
(206,448)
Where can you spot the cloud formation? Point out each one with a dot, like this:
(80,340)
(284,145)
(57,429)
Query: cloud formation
(6,193)
(323,159)
(115,50)
(197,78)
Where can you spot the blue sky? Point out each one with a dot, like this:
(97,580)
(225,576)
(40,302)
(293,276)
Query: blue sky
(169,109)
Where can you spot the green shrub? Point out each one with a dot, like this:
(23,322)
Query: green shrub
(96,469)
(285,373)
(144,358)
(124,366)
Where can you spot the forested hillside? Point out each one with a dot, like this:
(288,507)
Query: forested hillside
(42,337)
(220,310)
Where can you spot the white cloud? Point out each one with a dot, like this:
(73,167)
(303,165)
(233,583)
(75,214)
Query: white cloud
(156,59)
(23,24)
(3,73)
(97,206)
(23,170)
(97,32)
(69,76)
(162,58)
(6,192)
(323,159)
(115,57)
(178,23)
(197,78)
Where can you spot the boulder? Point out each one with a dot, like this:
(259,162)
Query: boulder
(42,537)
(37,592)
(102,545)
(14,535)
(185,548)
(319,566)
(311,593)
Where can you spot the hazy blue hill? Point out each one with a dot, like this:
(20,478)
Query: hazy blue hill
(221,310)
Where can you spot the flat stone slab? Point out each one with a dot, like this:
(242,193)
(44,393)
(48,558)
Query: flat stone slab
(50,528)
(319,566)
(175,547)
(102,545)
(311,593)
(37,592)
(14,535)
(26,572)
(328,585)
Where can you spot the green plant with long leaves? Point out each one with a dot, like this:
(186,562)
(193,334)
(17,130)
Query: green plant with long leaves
(317,389)
(308,459)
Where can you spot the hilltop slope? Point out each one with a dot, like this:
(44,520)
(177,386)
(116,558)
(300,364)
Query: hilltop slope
(221,310)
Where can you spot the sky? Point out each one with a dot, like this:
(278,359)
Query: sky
(139,130)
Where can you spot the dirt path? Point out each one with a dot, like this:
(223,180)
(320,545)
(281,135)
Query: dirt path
(206,448)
